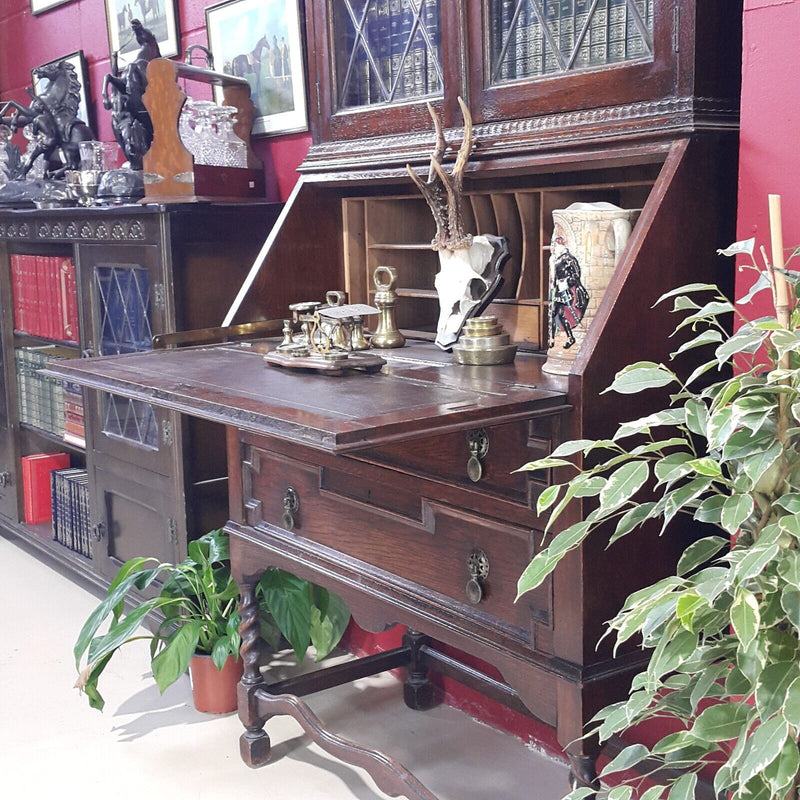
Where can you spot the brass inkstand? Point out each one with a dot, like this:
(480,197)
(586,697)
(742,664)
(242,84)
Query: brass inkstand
(484,342)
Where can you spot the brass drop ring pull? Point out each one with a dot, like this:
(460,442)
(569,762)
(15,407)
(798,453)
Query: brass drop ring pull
(291,505)
(478,443)
(478,567)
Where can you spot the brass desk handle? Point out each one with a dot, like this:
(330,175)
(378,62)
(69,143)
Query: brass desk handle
(478,444)
(478,566)
(291,505)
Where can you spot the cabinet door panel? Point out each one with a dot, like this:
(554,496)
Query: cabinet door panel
(125,305)
(132,515)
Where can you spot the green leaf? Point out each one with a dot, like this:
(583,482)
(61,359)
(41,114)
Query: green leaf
(705,466)
(535,573)
(641,376)
(288,599)
(677,499)
(683,788)
(735,510)
(174,659)
(710,510)
(620,793)
(220,652)
(688,289)
(629,757)
(688,605)
(790,603)
(744,247)
(710,310)
(745,617)
(696,416)
(712,582)
(572,447)
(721,425)
(781,773)
(761,283)
(707,337)
(789,568)
(700,371)
(791,705)
(327,629)
(756,466)
(745,340)
(756,558)
(623,484)
(720,722)
(653,793)
(631,519)
(764,746)
(545,463)
(772,686)
(699,552)
(547,498)
(789,502)
(672,467)
(671,417)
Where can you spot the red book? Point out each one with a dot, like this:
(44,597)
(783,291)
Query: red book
(29,293)
(68,300)
(36,493)
(17,280)
(38,296)
(53,327)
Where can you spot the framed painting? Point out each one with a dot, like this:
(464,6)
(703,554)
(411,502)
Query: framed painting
(160,17)
(77,60)
(261,41)
(39,6)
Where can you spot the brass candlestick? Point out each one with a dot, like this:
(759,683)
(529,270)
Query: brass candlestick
(386,334)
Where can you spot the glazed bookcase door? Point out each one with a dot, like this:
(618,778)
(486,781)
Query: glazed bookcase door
(379,63)
(8,460)
(578,53)
(127,299)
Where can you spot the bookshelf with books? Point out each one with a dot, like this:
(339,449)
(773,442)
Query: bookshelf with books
(86,282)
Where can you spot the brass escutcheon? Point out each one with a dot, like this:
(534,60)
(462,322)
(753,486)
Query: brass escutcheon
(478,443)
(478,567)
(291,505)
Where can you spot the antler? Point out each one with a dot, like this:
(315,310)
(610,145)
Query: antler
(443,192)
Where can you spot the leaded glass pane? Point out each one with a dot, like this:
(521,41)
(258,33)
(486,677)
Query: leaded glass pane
(530,38)
(386,50)
(123,300)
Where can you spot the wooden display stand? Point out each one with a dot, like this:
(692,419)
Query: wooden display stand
(170,172)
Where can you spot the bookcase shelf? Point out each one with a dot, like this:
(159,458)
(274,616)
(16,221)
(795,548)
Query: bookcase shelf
(24,339)
(51,437)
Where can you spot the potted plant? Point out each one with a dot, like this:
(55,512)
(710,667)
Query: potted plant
(200,627)
(724,629)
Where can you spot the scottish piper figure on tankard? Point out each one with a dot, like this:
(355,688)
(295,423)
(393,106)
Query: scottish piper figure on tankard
(587,245)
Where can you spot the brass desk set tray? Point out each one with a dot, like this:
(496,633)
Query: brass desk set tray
(331,338)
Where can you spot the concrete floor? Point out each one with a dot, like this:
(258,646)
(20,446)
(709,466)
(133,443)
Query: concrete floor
(146,745)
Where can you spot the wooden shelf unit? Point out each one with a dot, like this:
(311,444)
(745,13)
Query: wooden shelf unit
(392,229)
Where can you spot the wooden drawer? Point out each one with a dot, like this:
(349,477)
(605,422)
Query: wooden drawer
(403,532)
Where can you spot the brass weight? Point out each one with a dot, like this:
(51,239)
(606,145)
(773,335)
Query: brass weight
(386,335)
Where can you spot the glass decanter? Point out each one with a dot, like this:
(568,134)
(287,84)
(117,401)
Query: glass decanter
(232,149)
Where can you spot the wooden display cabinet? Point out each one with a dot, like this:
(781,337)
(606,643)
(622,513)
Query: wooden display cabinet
(155,478)
(379,461)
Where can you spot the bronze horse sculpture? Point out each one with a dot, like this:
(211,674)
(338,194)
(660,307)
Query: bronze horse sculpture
(53,117)
(130,121)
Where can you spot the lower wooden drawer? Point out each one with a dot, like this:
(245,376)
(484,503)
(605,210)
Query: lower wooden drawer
(411,536)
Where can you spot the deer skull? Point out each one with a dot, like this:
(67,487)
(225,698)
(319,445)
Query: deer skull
(469,267)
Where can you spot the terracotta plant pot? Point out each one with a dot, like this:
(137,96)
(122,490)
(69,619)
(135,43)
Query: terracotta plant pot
(214,690)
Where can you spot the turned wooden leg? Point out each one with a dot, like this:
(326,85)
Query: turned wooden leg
(583,771)
(417,690)
(254,744)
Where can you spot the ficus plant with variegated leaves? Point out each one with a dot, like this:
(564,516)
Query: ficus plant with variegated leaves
(724,629)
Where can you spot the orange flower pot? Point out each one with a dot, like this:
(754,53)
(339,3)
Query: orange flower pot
(214,690)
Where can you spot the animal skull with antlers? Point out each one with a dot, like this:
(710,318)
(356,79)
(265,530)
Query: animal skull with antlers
(470,267)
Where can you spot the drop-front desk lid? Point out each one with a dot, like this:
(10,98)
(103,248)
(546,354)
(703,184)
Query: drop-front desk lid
(419,392)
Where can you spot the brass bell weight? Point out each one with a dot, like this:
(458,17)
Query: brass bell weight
(386,334)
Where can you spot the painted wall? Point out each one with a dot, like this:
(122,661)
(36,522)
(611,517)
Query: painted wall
(27,41)
(768,158)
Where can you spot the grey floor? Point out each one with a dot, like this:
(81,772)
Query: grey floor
(145,745)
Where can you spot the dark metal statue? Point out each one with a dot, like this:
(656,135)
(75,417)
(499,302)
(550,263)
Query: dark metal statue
(53,117)
(130,121)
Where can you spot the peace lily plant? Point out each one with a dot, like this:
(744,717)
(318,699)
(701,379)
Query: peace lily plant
(724,629)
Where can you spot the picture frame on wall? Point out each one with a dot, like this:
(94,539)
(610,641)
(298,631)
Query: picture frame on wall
(77,59)
(40,6)
(261,41)
(158,16)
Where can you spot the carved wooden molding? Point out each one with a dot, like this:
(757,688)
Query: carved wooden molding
(76,229)
(551,130)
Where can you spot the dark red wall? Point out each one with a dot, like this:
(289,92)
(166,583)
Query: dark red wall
(27,41)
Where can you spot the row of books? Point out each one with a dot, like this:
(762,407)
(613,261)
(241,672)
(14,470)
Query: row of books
(533,38)
(43,401)
(45,296)
(69,497)
(397,55)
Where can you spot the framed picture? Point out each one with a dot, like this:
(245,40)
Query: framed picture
(160,17)
(260,40)
(38,6)
(78,61)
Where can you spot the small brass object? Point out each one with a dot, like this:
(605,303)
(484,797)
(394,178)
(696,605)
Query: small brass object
(484,342)
(478,568)
(386,335)
(291,505)
(478,443)
(288,339)
(357,340)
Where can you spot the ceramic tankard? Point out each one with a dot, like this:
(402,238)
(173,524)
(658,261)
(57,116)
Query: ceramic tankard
(588,242)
